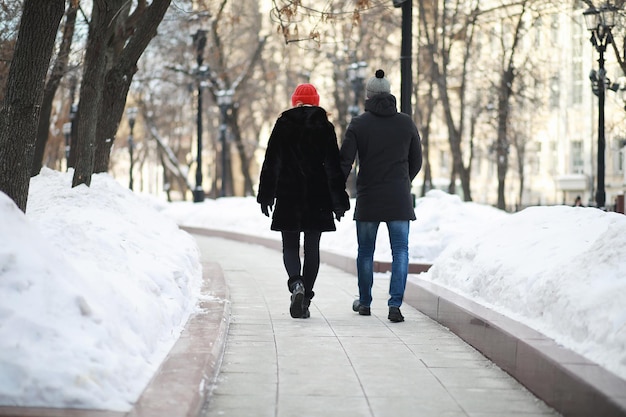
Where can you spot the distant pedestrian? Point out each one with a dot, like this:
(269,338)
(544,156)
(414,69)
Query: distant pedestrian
(578,202)
(301,173)
(390,156)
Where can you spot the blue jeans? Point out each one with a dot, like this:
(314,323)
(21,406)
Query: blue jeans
(399,240)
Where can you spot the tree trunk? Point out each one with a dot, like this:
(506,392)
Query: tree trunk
(439,50)
(24,93)
(425,122)
(520,151)
(427,185)
(502,146)
(100,30)
(58,71)
(139,29)
(168,158)
(505,91)
(245,160)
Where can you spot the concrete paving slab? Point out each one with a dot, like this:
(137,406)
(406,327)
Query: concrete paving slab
(338,362)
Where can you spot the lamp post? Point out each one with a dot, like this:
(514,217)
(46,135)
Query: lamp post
(199,40)
(73,110)
(406,76)
(67,132)
(599,23)
(356,76)
(224,101)
(131,114)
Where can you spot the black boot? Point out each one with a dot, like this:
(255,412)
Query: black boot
(297,298)
(305,308)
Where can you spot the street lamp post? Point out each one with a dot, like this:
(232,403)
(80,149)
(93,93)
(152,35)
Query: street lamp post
(224,101)
(199,40)
(599,23)
(356,76)
(67,132)
(406,76)
(73,110)
(131,114)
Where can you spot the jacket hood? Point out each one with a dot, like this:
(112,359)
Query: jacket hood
(310,116)
(383,104)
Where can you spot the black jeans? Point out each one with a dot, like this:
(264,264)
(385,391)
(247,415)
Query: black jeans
(291,259)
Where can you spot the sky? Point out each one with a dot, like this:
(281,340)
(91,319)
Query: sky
(96,283)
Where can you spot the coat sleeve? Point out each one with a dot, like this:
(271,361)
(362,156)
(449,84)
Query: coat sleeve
(334,174)
(415,154)
(348,151)
(270,170)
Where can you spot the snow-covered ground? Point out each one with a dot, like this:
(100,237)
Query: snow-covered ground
(97,282)
(95,288)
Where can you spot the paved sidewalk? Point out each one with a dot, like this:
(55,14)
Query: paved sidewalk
(338,363)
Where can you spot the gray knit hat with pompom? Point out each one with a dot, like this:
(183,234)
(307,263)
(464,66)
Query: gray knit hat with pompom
(377,84)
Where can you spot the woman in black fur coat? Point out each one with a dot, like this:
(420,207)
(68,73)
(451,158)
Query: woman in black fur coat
(301,173)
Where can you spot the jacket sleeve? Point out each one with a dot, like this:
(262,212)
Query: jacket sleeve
(415,154)
(270,170)
(347,153)
(334,174)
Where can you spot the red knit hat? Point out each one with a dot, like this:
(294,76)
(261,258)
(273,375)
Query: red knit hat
(305,94)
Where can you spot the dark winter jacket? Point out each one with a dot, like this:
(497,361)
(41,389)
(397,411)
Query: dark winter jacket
(301,171)
(389,157)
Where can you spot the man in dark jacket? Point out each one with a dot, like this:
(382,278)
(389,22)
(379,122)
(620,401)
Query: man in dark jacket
(301,173)
(389,157)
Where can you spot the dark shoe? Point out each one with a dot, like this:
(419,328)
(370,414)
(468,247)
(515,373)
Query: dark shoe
(305,308)
(297,297)
(361,309)
(395,315)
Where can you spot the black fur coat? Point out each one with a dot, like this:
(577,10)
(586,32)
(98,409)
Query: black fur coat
(301,172)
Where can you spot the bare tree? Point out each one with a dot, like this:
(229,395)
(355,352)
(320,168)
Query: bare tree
(10,17)
(426,99)
(511,31)
(127,45)
(57,73)
(449,32)
(262,69)
(103,21)
(20,111)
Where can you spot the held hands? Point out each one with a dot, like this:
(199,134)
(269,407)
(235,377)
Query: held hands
(266,208)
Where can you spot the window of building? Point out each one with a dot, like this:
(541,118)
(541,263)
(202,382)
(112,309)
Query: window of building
(554,29)
(577,60)
(577,157)
(555,92)
(620,155)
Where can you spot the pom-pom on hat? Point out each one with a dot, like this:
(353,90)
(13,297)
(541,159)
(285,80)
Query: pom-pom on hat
(305,94)
(377,84)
